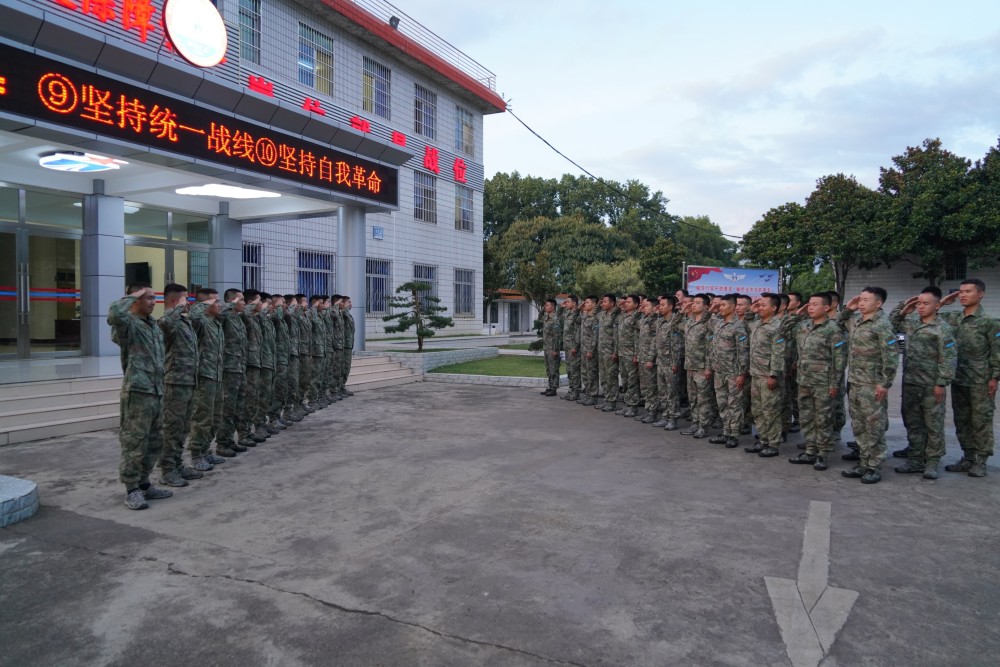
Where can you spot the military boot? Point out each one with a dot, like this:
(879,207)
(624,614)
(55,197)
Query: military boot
(718,439)
(620,411)
(222,450)
(756,448)
(188,472)
(661,422)
(962,465)
(910,466)
(768,452)
(630,412)
(154,492)
(588,401)
(201,463)
(852,455)
(804,458)
(820,463)
(650,418)
(608,407)
(903,453)
(699,434)
(241,446)
(871,476)
(732,442)
(978,467)
(931,470)
(173,478)
(690,430)
(717,423)
(213,459)
(857,472)
(671,425)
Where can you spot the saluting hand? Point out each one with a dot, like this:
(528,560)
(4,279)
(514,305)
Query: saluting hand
(948,299)
(854,303)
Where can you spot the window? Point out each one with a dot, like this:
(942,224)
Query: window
(426,274)
(955,267)
(315,59)
(315,272)
(378,278)
(464,136)
(250,31)
(253,266)
(424,197)
(375,88)
(465,286)
(463,208)
(425,105)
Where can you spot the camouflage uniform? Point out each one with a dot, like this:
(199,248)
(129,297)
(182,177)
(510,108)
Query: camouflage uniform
(607,348)
(304,323)
(206,417)
(282,354)
(628,333)
(697,344)
(571,346)
(589,376)
(327,379)
(141,433)
(730,359)
(669,353)
(978,337)
(929,361)
(292,386)
(181,343)
(872,361)
(645,350)
(790,323)
(349,333)
(234,368)
(255,341)
(317,350)
(822,358)
(268,359)
(767,360)
(337,350)
(551,343)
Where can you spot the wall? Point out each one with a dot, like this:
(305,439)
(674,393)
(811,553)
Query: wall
(900,284)
(425,361)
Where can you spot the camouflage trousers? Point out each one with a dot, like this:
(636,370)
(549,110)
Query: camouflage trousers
(345,372)
(649,389)
(264,391)
(573,371)
(869,421)
(683,385)
(292,386)
(840,410)
(317,371)
(251,399)
(305,377)
(817,419)
(140,436)
(234,395)
(279,393)
(923,418)
(590,379)
(766,407)
(668,391)
(730,401)
(700,392)
(206,417)
(713,401)
(608,374)
(791,406)
(176,424)
(336,371)
(973,410)
(552,369)
(630,381)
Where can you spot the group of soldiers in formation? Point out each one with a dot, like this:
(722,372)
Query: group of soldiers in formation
(776,364)
(236,372)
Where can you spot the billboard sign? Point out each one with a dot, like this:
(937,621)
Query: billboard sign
(732,280)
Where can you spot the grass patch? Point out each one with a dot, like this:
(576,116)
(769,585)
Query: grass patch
(414,338)
(428,349)
(515,346)
(506,366)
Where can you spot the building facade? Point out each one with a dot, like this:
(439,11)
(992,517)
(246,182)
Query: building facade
(898,281)
(363,128)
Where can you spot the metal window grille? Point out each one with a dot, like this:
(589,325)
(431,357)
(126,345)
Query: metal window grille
(315,272)
(376,95)
(250,31)
(315,59)
(378,280)
(463,208)
(424,197)
(253,266)
(956,267)
(425,112)
(465,285)
(464,133)
(426,274)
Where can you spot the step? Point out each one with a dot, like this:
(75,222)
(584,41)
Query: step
(58,400)
(384,382)
(58,428)
(368,370)
(380,375)
(70,386)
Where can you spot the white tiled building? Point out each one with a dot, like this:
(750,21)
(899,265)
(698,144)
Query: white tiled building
(899,283)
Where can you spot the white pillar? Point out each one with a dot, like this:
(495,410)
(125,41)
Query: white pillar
(103,268)
(225,259)
(351,270)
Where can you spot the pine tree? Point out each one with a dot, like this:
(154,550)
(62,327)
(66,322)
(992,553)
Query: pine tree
(418,308)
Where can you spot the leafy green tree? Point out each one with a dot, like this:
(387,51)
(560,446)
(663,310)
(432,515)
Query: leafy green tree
(809,282)
(776,240)
(511,197)
(984,208)
(601,278)
(536,279)
(704,242)
(419,309)
(661,266)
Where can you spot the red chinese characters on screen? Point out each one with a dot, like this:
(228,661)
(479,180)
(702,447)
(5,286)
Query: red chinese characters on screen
(134,14)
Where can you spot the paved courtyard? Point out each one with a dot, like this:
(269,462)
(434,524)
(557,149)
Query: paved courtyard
(438,525)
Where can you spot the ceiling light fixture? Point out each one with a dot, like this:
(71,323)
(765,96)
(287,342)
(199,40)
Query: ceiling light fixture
(76,161)
(225,191)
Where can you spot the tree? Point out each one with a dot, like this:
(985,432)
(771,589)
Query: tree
(535,279)
(601,278)
(661,266)
(703,239)
(511,197)
(776,240)
(419,309)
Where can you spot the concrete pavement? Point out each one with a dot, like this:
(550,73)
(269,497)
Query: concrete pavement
(435,524)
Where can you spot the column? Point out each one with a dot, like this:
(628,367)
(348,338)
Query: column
(103,268)
(225,259)
(351,270)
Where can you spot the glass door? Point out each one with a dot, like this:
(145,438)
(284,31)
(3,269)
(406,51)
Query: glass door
(53,304)
(514,323)
(11,282)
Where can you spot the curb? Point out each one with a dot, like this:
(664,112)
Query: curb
(18,500)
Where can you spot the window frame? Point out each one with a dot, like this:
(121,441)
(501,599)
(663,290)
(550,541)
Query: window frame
(424,111)
(253,271)
(465,132)
(464,215)
(382,279)
(250,25)
(311,47)
(460,298)
(314,278)
(424,192)
(372,74)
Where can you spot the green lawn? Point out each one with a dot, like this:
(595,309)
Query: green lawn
(429,349)
(529,367)
(515,346)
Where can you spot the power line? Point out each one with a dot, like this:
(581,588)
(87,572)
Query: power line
(603,181)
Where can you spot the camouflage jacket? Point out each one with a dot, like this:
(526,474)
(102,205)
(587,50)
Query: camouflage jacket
(767,349)
(255,338)
(670,340)
(589,329)
(282,342)
(730,353)
(628,334)
(822,354)
(931,353)
(872,356)
(211,341)
(292,327)
(337,320)
(267,340)
(141,342)
(304,322)
(645,346)
(551,332)
(317,338)
(348,330)
(790,325)
(181,343)
(607,337)
(697,342)
(570,330)
(234,358)
(978,337)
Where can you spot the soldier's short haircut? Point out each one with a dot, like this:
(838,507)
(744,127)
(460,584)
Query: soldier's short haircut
(773,298)
(731,298)
(290,297)
(552,301)
(300,296)
(592,297)
(669,298)
(784,299)
(704,298)
(877,292)
(336,297)
(980,285)
(575,299)
(931,289)
(345,297)
(231,293)
(315,298)
(205,293)
(135,287)
(264,296)
(611,296)
(824,297)
(684,292)
(173,288)
(710,295)
(250,295)
(797,295)
(744,296)
(834,296)
(635,298)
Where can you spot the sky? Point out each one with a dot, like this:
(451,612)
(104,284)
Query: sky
(730,108)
